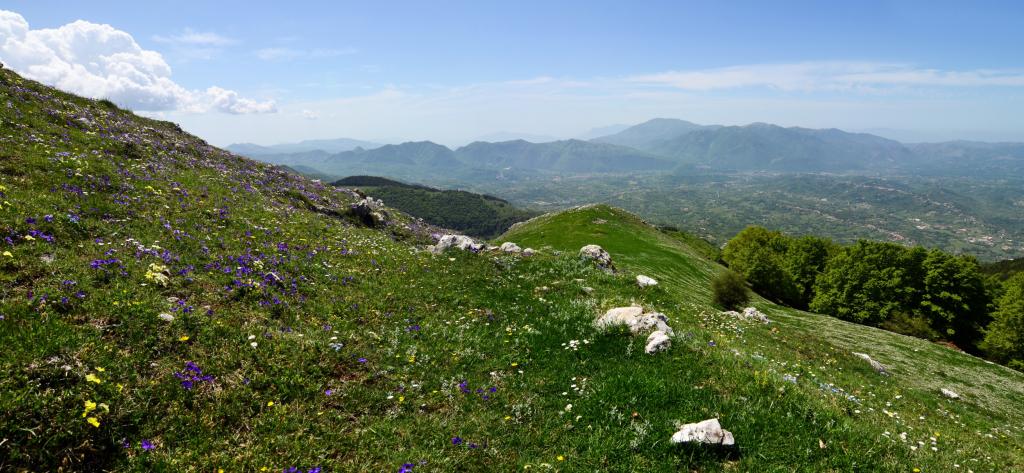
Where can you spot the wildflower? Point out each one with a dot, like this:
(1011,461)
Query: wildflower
(561,458)
(89,407)
(92,378)
(270,403)
(8,254)
(328,392)
(147,445)
(93,422)
(456,441)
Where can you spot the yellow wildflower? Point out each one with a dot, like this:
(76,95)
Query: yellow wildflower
(92,378)
(89,407)
(93,421)
(100,369)
(183,338)
(270,403)
(561,458)
(8,254)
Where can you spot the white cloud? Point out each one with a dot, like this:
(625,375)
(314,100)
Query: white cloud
(195,38)
(282,53)
(100,61)
(829,76)
(310,115)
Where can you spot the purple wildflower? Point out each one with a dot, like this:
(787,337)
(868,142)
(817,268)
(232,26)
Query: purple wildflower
(147,445)
(456,441)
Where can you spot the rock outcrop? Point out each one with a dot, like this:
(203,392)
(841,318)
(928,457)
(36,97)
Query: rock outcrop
(880,368)
(655,324)
(657,341)
(708,432)
(599,256)
(509,247)
(461,242)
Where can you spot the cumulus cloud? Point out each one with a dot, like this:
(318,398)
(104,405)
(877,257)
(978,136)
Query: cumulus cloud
(100,61)
(829,76)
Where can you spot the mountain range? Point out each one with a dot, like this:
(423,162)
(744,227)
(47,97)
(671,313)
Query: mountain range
(664,145)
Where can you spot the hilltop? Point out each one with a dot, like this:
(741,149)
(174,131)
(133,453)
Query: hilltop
(170,306)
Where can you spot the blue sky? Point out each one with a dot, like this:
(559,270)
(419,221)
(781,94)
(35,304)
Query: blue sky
(454,71)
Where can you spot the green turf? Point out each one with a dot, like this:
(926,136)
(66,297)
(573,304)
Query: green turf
(253,255)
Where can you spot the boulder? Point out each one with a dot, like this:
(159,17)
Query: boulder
(509,247)
(461,242)
(635,319)
(657,341)
(645,281)
(166,317)
(370,211)
(708,432)
(598,255)
(754,314)
(880,368)
(950,393)
(529,252)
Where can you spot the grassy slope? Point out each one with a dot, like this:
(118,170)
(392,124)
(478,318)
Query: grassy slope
(985,428)
(257,255)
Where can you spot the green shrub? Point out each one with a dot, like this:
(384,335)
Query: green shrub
(729,290)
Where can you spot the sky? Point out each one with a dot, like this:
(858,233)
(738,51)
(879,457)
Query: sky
(452,72)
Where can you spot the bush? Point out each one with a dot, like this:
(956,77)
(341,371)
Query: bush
(915,326)
(729,290)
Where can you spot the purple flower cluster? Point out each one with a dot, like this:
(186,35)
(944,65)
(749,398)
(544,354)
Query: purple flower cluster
(191,375)
(295,469)
(484,393)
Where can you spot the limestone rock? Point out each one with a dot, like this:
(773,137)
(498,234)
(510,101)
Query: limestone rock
(645,281)
(880,368)
(529,252)
(950,393)
(635,319)
(598,255)
(509,247)
(461,242)
(166,317)
(371,212)
(708,432)
(657,341)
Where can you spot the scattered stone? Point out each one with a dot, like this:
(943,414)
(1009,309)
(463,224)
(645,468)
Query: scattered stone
(708,432)
(598,255)
(509,247)
(529,252)
(599,221)
(166,317)
(587,289)
(47,258)
(749,313)
(657,341)
(635,319)
(880,368)
(950,393)
(645,281)
(461,242)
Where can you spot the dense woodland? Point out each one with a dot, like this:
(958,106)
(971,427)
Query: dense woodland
(927,293)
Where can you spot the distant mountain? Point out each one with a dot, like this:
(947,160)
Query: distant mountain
(512,136)
(647,134)
(602,131)
(765,147)
(477,215)
(567,156)
(331,146)
(426,160)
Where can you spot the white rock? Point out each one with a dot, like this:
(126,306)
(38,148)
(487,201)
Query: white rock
(706,432)
(657,341)
(950,393)
(461,242)
(509,247)
(619,316)
(880,368)
(166,317)
(754,314)
(529,252)
(598,255)
(645,281)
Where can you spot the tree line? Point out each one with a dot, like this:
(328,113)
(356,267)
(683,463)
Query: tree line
(926,293)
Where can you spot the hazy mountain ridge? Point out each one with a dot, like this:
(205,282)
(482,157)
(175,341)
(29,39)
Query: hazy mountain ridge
(336,145)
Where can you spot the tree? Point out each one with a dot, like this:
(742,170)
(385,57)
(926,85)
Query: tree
(1004,337)
(729,290)
(870,282)
(954,300)
(757,254)
(804,260)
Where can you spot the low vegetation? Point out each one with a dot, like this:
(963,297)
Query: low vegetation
(168,306)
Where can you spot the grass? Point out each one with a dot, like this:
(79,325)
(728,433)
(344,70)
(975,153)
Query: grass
(349,348)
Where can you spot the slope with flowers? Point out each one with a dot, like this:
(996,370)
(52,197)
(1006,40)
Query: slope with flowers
(168,306)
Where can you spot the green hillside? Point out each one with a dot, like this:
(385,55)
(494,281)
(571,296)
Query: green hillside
(477,215)
(168,306)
